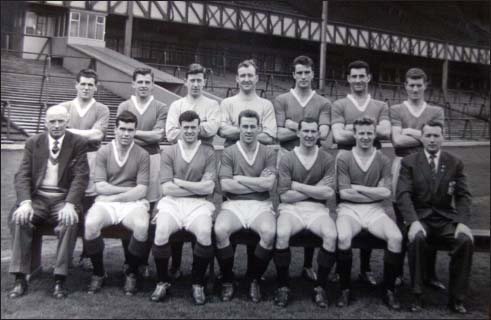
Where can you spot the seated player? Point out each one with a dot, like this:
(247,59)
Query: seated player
(247,175)
(306,182)
(121,182)
(187,174)
(364,182)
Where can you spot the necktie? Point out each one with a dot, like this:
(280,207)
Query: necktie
(432,163)
(55,147)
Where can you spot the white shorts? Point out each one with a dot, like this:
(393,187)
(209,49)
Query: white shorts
(90,191)
(396,170)
(119,210)
(364,213)
(306,212)
(184,210)
(248,210)
(153,191)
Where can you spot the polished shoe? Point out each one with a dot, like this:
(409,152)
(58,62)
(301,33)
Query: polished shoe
(309,274)
(417,304)
(320,297)
(282,297)
(59,291)
(368,278)
(344,299)
(391,300)
(130,284)
(435,284)
(227,292)
(96,283)
(175,274)
(457,307)
(19,289)
(161,290)
(255,291)
(198,293)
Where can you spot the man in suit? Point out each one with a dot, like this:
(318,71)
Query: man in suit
(428,182)
(50,185)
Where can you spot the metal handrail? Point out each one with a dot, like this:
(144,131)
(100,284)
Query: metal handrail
(6,105)
(41,107)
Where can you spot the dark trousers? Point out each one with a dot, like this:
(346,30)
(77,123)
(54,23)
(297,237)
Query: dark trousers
(461,250)
(45,212)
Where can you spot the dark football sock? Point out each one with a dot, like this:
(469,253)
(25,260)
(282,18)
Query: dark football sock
(225,257)
(325,261)
(282,259)
(201,257)
(308,257)
(365,255)
(97,264)
(262,257)
(345,260)
(176,255)
(391,266)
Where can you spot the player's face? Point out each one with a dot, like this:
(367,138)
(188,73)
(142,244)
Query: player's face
(143,85)
(190,131)
(195,84)
(247,79)
(415,88)
(86,88)
(303,76)
(125,133)
(56,124)
(358,80)
(364,136)
(432,138)
(249,129)
(308,134)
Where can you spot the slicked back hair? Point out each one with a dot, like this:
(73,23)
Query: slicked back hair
(188,116)
(304,61)
(247,64)
(143,72)
(195,68)
(307,120)
(248,113)
(364,121)
(358,64)
(127,117)
(416,73)
(433,123)
(87,73)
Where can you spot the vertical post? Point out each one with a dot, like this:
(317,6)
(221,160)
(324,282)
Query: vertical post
(445,74)
(322,58)
(128,34)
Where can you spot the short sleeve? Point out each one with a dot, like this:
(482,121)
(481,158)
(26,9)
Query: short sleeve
(337,114)
(101,165)
(279,111)
(386,181)
(284,175)
(225,114)
(342,165)
(395,117)
(271,159)
(227,165)
(123,106)
(172,128)
(269,120)
(161,116)
(166,166)
(143,173)
(329,177)
(102,121)
(211,166)
(384,113)
(325,113)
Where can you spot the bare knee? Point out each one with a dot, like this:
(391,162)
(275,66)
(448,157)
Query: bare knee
(344,240)
(161,234)
(329,236)
(92,227)
(394,241)
(221,229)
(203,234)
(283,234)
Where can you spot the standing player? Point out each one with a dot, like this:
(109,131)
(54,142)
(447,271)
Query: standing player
(151,115)
(247,98)
(121,182)
(291,108)
(188,175)
(358,103)
(306,183)
(90,119)
(247,175)
(364,182)
(209,114)
(408,118)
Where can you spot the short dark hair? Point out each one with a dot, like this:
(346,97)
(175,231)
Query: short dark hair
(87,73)
(416,73)
(248,113)
(358,64)
(189,116)
(308,120)
(143,72)
(364,121)
(433,123)
(304,61)
(246,64)
(127,117)
(195,68)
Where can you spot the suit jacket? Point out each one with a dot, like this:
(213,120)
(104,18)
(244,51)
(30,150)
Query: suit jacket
(418,195)
(73,168)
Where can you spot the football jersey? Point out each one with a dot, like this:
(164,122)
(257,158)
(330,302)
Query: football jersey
(346,111)
(402,115)
(292,169)
(350,170)
(288,106)
(94,116)
(175,164)
(127,172)
(234,163)
(231,108)
(152,116)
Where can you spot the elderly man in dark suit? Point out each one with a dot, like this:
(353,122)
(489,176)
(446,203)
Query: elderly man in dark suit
(50,185)
(429,181)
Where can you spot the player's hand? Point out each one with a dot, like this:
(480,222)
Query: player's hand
(415,228)
(68,215)
(349,127)
(292,125)
(462,228)
(23,214)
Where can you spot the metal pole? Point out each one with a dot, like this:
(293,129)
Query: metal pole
(322,58)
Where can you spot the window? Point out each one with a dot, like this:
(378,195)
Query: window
(87,25)
(74,23)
